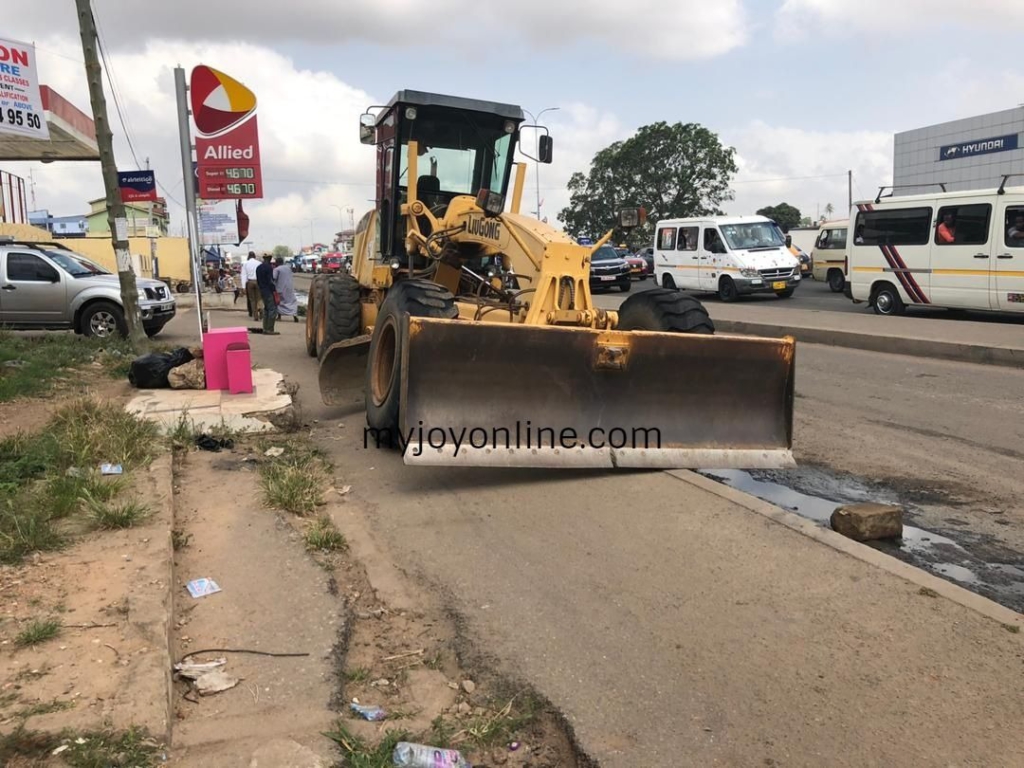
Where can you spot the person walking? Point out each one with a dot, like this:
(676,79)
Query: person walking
(252,291)
(284,283)
(265,283)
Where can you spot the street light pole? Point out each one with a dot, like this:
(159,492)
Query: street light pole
(536,121)
(341,214)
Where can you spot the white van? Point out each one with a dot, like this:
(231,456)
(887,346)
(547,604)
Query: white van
(728,255)
(828,259)
(960,250)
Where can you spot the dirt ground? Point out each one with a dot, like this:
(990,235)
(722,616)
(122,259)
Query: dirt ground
(381,641)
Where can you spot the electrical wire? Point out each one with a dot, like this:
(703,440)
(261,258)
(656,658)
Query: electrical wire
(789,178)
(113,89)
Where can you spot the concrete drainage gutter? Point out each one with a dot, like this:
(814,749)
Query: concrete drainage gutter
(943,350)
(829,538)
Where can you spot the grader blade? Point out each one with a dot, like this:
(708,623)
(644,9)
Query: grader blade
(343,371)
(479,394)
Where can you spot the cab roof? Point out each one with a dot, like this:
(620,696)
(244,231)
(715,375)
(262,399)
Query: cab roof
(969,193)
(717,220)
(424,99)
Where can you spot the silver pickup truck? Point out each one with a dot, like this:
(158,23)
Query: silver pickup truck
(48,286)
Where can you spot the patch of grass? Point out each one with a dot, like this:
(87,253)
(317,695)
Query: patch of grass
(37,363)
(115,517)
(63,494)
(6,699)
(87,433)
(44,708)
(927,592)
(25,529)
(435,662)
(180,539)
(323,536)
(27,746)
(294,481)
(183,434)
(132,748)
(498,727)
(37,631)
(1012,628)
(358,754)
(441,732)
(357,675)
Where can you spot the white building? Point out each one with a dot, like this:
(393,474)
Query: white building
(973,153)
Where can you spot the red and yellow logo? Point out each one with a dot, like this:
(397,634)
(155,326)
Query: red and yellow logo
(219,102)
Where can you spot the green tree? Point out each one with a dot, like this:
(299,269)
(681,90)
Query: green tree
(829,210)
(282,251)
(783,214)
(671,170)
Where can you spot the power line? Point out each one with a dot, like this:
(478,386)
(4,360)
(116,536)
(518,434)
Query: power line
(113,89)
(790,178)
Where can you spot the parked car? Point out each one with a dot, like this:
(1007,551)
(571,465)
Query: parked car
(637,266)
(608,269)
(647,254)
(806,266)
(48,286)
(332,265)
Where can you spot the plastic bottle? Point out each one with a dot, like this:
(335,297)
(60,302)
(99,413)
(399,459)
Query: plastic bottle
(407,755)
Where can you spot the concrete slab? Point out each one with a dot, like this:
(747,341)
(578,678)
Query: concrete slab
(260,411)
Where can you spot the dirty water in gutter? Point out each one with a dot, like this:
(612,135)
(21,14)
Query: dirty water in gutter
(821,492)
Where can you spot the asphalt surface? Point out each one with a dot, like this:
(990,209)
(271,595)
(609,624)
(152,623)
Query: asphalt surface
(673,628)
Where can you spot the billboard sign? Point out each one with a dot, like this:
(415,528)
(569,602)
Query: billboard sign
(21,106)
(218,223)
(227,137)
(979,147)
(137,186)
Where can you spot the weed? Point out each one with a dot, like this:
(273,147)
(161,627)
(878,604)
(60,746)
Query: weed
(1014,628)
(29,745)
(358,754)
(323,536)
(294,481)
(42,360)
(107,517)
(25,531)
(500,726)
(6,699)
(64,494)
(44,708)
(357,675)
(87,433)
(38,631)
(927,592)
(132,748)
(180,539)
(441,732)
(435,662)
(402,714)
(183,434)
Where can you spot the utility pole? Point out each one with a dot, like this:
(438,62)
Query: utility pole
(115,208)
(849,190)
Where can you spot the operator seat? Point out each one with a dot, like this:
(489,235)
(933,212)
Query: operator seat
(428,190)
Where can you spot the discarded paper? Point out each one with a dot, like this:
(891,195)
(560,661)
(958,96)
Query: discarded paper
(196,669)
(111,469)
(274,452)
(202,587)
(368,713)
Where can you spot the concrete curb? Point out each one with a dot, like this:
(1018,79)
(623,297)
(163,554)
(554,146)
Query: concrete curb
(934,348)
(865,554)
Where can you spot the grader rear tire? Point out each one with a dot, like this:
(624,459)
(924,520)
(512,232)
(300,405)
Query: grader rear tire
(313,316)
(409,298)
(663,309)
(341,315)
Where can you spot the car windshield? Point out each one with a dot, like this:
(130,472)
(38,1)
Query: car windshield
(754,235)
(75,265)
(605,253)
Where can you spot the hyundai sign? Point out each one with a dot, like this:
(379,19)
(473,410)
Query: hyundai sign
(980,147)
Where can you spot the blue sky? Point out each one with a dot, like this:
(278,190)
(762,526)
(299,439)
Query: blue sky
(801,88)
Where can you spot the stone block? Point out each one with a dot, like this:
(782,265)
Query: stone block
(868,522)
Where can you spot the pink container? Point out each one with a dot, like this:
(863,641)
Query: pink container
(215,359)
(239,360)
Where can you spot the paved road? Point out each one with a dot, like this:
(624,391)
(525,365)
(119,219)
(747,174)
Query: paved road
(673,629)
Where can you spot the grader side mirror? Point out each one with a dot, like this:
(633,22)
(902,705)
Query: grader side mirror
(367,128)
(546,148)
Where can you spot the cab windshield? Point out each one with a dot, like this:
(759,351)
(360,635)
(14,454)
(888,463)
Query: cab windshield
(75,265)
(605,253)
(463,151)
(744,237)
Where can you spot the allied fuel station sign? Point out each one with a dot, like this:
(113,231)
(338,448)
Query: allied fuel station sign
(227,140)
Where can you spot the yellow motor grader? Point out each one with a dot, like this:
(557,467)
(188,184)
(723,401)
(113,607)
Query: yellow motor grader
(469,330)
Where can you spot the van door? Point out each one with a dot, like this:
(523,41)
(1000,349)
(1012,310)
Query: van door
(32,290)
(666,260)
(961,256)
(713,258)
(688,255)
(1007,273)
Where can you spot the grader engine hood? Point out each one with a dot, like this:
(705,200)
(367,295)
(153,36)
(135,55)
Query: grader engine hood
(476,394)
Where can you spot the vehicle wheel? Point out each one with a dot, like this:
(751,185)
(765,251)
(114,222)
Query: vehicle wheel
(727,289)
(667,282)
(341,314)
(626,286)
(104,320)
(312,316)
(664,309)
(836,280)
(887,301)
(785,294)
(409,298)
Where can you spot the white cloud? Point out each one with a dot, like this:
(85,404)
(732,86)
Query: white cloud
(685,29)
(893,17)
(806,169)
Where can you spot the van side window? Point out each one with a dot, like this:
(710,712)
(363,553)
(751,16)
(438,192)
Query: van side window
(832,240)
(667,239)
(963,224)
(27,267)
(1014,227)
(687,238)
(712,242)
(899,226)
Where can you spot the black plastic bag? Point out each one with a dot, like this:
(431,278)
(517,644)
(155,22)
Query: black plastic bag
(150,371)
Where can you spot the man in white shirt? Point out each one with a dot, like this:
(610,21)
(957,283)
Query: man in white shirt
(252,290)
